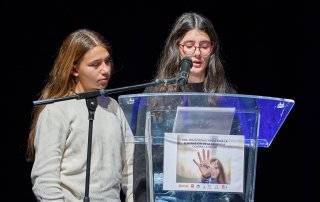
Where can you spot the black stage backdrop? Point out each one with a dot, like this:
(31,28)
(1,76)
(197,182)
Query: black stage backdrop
(261,48)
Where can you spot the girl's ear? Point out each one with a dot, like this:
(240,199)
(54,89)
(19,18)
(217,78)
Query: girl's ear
(75,71)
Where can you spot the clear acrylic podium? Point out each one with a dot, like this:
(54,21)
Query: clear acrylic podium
(169,129)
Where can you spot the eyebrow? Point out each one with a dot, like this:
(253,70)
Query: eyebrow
(100,59)
(189,41)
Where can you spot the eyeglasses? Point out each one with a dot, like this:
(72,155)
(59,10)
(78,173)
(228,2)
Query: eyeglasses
(189,48)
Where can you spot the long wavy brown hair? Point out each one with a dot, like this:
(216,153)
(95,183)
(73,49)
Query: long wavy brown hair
(168,67)
(61,82)
(221,179)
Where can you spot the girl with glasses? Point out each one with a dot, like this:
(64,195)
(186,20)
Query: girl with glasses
(192,36)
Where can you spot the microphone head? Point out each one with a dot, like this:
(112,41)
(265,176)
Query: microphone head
(185,66)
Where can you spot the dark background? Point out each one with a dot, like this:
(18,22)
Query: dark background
(265,49)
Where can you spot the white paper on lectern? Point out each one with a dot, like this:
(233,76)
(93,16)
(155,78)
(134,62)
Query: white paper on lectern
(181,173)
(204,120)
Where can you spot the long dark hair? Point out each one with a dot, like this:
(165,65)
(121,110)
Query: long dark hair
(215,80)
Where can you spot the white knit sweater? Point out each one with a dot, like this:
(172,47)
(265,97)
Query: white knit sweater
(59,169)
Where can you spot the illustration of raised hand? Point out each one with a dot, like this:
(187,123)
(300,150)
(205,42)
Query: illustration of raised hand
(204,163)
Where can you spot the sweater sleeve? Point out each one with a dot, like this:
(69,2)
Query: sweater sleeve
(127,156)
(50,137)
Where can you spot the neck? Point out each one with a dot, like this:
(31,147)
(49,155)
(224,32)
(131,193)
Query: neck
(78,89)
(196,78)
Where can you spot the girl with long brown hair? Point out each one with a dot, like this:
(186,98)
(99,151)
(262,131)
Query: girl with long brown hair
(59,131)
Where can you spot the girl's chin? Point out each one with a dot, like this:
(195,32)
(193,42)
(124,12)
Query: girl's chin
(196,70)
(103,83)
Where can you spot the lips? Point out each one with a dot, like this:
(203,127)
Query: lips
(103,82)
(197,64)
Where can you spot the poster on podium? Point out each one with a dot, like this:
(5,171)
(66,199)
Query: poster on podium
(203,162)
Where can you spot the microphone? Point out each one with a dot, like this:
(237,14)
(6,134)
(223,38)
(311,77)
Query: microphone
(185,66)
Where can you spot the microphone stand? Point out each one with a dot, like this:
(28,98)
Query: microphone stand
(104,92)
(91,102)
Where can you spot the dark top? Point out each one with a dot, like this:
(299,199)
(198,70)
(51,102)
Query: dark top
(194,87)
